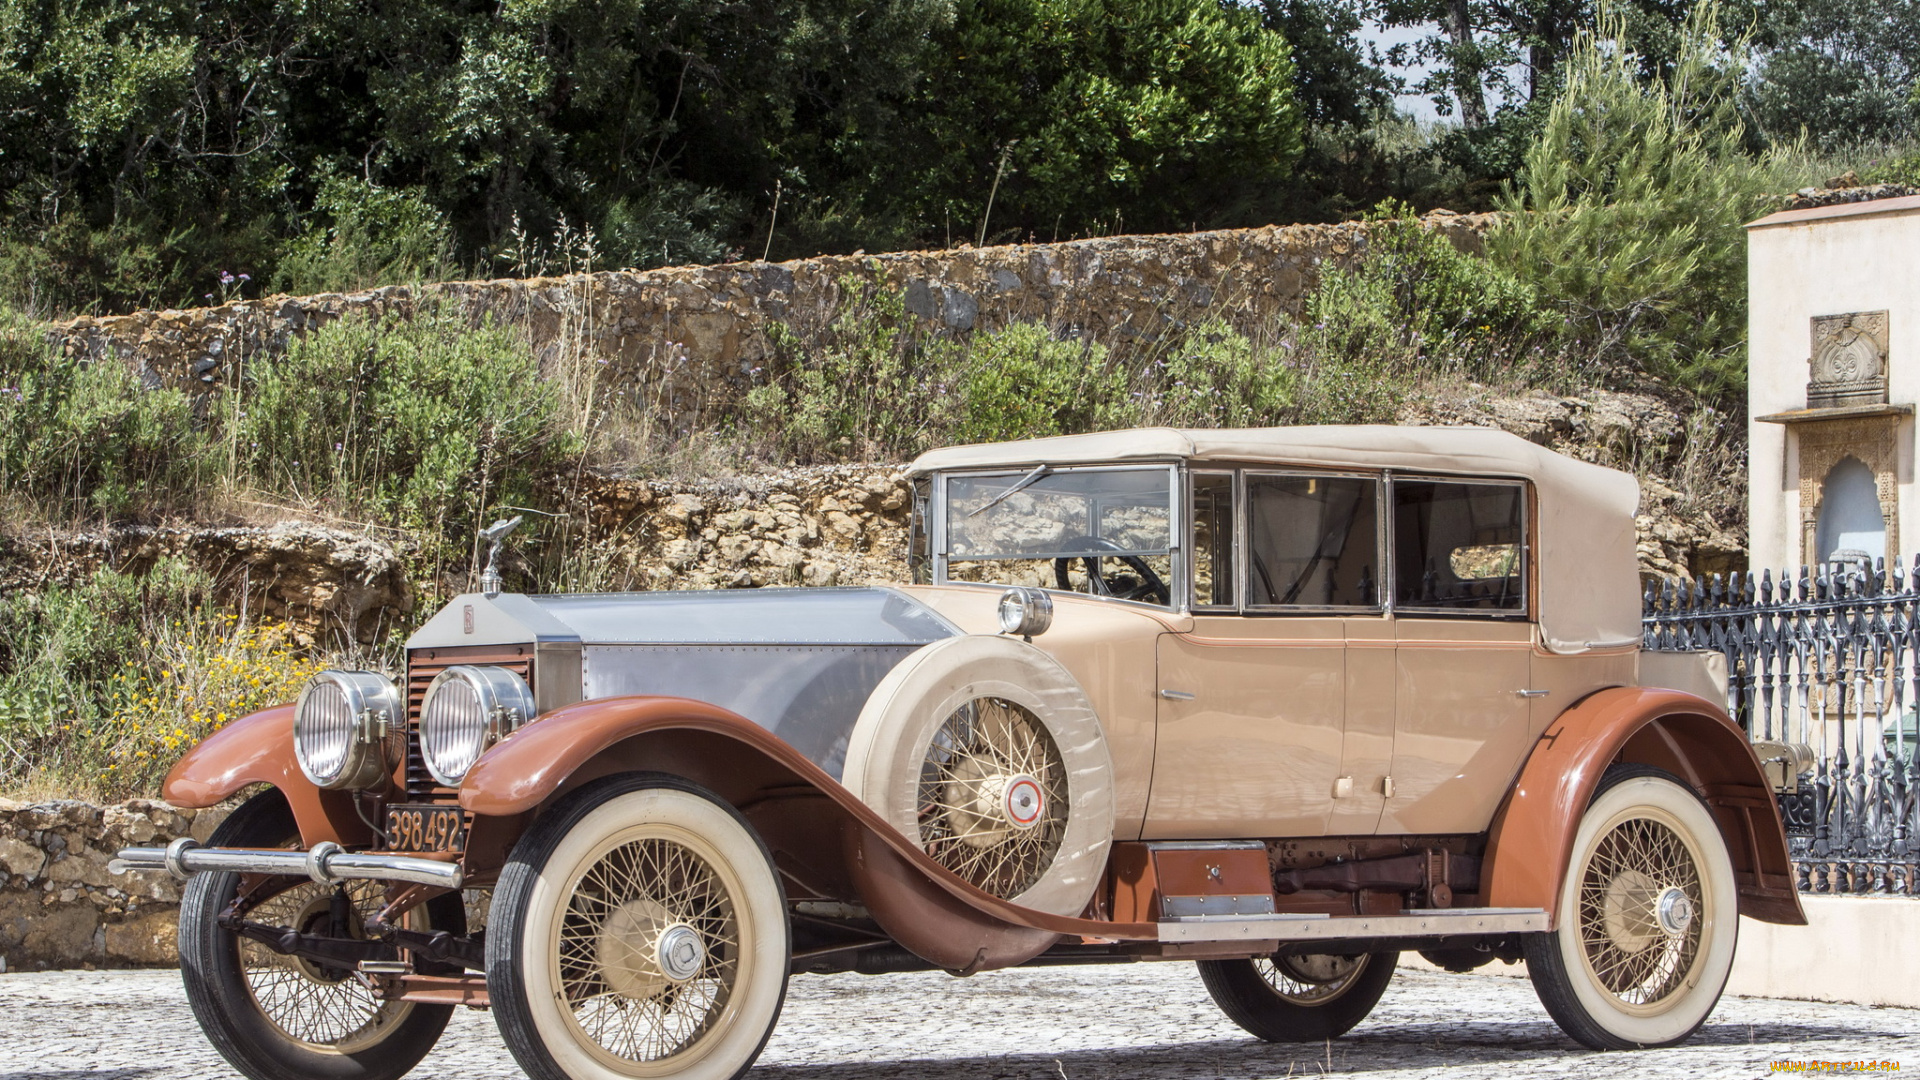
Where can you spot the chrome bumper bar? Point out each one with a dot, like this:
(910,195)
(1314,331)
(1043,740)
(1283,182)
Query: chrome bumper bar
(327,863)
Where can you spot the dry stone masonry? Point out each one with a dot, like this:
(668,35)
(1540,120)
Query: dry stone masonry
(59,907)
(686,339)
(323,582)
(820,525)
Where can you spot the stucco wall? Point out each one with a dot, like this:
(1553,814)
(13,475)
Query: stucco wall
(1802,264)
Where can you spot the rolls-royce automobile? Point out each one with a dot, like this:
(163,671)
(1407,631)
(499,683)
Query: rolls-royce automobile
(1284,703)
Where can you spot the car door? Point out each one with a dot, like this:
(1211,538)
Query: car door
(1248,737)
(1253,696)
(1463,652)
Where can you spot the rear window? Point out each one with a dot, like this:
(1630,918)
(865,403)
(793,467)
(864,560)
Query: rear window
(1459,547)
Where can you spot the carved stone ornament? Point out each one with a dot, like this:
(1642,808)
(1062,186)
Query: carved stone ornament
(1874,441)
(1849,363)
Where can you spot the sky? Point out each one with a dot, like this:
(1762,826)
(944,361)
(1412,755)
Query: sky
(1419,106)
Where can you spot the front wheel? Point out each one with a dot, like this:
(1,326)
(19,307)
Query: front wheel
(1647,917)
(639,930)
(280,1017)
(1299,998)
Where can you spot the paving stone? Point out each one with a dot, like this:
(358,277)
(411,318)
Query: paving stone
(1127,1022)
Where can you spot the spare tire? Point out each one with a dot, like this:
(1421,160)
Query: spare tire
(986,753)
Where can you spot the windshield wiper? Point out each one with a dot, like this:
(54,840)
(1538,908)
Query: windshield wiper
(1024,483)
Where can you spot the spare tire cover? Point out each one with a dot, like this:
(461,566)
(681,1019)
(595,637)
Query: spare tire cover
(948,750)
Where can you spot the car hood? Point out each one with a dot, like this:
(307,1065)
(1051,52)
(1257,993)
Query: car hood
(800,663)
(813,617)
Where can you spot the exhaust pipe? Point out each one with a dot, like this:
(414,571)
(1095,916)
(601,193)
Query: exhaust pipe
(327,863)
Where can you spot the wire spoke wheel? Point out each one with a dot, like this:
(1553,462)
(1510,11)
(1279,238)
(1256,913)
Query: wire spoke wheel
(993,796)
(639,930)
(317,1005)
(1304,998)
(1311,980)
(1646,923)
(647,950)
(280,1017)
(1638,897)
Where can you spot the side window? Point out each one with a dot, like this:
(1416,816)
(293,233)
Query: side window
(1214,539)
(1459,547)
(1312,541)
(919,544)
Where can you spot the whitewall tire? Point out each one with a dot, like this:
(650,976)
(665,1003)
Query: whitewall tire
(985,752)
(639,930)
(1647,920)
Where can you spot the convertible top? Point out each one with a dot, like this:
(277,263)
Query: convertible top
(1589,576)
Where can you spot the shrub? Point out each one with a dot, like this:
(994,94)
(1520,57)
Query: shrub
(365,235)
(1213,376)
(861,385)
(1899,169)
(85,438)
(426,423)
(867,382)
(1022,382)
(1416,304)
(104,682)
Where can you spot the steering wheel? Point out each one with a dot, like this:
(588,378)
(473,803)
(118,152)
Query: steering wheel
(1149,587)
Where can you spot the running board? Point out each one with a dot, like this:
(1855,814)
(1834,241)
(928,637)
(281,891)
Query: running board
(1436,923)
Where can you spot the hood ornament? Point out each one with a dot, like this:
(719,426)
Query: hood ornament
(495,535)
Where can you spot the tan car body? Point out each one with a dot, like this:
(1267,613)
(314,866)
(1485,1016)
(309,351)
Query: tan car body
(1484,737)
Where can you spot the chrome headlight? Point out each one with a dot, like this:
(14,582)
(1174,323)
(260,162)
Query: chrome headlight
(1025,611)
(340,728)
(466,710)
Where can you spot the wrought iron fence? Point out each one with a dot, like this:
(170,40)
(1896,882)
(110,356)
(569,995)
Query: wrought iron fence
(1831,660)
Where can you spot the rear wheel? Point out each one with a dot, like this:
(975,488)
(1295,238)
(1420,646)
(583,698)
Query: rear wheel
(639,930)
(1299,998)
(279,1017)
(1647,917)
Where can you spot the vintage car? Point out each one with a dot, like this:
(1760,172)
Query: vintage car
(1283,702)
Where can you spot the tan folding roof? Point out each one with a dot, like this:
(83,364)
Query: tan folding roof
(1589,576)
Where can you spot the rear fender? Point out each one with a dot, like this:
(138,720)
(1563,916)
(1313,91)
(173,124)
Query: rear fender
(824,840)
(258,749)
(1688,736)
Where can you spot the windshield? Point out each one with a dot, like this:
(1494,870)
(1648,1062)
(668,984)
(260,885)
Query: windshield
(1062,514)
(1057,529)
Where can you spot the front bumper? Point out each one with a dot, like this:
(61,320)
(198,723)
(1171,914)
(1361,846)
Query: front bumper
(327,863)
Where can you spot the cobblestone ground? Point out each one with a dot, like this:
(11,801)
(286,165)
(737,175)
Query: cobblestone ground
(1131,1022)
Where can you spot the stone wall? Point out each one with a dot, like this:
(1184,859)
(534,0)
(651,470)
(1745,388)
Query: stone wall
(686,338)
(59,907)
(813,525)
(819,525)
(323,582)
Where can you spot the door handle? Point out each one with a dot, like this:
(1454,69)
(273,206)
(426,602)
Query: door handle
(1532,693)
(1176,695)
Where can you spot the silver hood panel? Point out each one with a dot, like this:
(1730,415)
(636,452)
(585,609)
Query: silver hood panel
(798,662)
(854,616)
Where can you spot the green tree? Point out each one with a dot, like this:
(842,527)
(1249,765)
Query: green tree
(1845,74)
(1076,116)
(1628,216)
(146,148)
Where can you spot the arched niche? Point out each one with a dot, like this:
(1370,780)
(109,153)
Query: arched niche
(1822,446)
(1850,518)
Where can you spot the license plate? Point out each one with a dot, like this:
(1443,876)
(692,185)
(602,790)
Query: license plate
(425,828)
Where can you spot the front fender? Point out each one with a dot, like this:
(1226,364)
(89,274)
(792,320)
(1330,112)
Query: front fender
(817,829)
(1532,835)
(258,749)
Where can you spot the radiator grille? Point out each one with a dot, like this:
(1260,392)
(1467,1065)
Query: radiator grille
(422,666)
